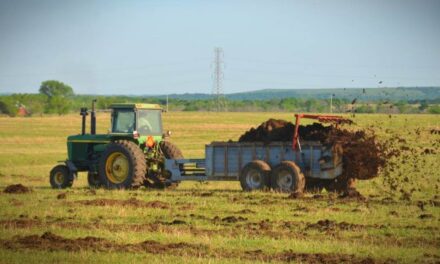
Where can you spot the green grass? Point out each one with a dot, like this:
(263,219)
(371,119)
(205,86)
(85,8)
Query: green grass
(30,147)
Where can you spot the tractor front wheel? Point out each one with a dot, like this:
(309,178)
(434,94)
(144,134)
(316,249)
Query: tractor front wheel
(122,166)
(60,177)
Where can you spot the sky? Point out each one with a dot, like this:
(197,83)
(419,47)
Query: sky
(162,47)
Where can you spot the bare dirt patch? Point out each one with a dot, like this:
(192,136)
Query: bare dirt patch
(326,225)
(62,196)
(426,216)
(17,188)
(290,256)
(52,242)
(353,194)
(228,219)
(130,202)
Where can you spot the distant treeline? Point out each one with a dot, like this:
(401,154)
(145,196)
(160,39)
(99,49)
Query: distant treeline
(37,104)
(55,97)
(365,94)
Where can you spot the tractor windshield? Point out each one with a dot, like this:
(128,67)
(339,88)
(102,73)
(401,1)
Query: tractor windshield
(149,122)
(123,121)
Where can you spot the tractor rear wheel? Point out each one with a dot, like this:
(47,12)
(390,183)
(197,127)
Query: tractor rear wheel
(255,176)
(122,166)
(60,177)
(170,151)
(287,177)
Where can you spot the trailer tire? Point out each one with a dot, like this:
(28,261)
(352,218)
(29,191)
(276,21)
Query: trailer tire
(122,166)
(255,176)
(60,177)
(287,177)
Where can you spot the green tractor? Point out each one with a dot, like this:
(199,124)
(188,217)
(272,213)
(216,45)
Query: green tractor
(131,155)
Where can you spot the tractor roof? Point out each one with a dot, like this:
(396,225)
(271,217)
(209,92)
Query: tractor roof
(137,106)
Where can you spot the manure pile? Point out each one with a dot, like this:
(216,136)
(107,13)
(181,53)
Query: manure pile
(363,155)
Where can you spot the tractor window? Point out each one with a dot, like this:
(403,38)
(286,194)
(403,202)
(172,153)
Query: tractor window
(149,122)
(123,121)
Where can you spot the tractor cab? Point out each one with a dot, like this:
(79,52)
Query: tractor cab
(138,119)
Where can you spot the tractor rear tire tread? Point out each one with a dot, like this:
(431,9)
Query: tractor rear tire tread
(136,160)
(140,166)
(170,151)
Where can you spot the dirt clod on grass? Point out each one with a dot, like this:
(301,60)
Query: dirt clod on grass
(295,195)
(352,193)
(61,196)
(426,216)
(17,188)
(233,219)
(326,225)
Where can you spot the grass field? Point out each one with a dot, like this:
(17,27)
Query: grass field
(215,221)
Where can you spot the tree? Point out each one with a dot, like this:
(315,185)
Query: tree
(8,106)
(58,105)
(57,96)
(53,88)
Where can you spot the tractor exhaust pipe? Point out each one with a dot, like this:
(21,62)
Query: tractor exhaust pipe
(93,119)
(83,113)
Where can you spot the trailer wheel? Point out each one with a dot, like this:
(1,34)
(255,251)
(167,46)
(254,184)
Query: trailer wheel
(60,177)
(287,177)
(93,180)
(122,166)
(255,176)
